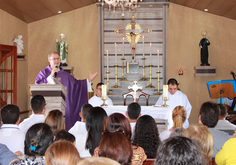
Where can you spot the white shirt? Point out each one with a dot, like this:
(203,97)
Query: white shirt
(177,99)
(33,119)
(132,127)
(12,137)
(164,135)
(80,133)
(97,101)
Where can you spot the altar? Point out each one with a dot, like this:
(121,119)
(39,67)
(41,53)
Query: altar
(154,111)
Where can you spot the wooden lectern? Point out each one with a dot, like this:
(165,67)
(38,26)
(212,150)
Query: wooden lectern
(54,95)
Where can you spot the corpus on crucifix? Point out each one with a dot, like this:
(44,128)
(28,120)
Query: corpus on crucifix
(133,33)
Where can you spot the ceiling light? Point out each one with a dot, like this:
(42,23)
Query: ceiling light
(59,12)
(205,9)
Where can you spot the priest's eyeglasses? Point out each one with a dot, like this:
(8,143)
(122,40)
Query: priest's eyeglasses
(54,59)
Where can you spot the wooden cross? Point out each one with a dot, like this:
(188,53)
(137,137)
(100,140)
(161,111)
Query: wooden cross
(135,87)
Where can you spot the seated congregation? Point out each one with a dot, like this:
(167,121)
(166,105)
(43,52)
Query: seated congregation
(133,139)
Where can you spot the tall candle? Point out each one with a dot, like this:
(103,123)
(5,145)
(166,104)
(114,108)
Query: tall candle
(158,60)
(165,91)
(104,92)
(143,46)
(123,46)
(150,53)
(107,60)
(115,53)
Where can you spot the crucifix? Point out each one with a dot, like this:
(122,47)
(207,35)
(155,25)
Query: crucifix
(133,33)
(135,87)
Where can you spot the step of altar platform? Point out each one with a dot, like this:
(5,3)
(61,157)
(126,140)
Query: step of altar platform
(133,76)
(119,100)
(120,91)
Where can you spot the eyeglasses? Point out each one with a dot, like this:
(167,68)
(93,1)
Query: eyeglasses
(99,89)
(54,59)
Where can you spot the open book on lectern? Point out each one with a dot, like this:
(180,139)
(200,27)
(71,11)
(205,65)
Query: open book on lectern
(221,88)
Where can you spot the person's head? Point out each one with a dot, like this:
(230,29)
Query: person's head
(133,111)
(209,114)
(37,139)
(54,59)
(61,153)
(64,135)
(98,161)
(94,126)
(55,120)
(177,132)
(84,111)
(10,114)
(99,89)
(117,121)
(179,150)
(179,115)
(172,85)
(116,146)
(203,138)
(38,104)
(223,111)
(146,135)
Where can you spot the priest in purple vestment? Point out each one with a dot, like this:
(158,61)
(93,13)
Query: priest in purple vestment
(77,90)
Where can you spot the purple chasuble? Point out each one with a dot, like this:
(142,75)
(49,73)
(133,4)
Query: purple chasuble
(77,93)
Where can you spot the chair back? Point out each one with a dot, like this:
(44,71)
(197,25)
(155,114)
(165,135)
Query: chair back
(138,94)
(149,161)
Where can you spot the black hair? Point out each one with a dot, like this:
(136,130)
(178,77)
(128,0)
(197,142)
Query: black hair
(99,84)
(37,103)
(133,110)
(179,150)
(85,109)
(223,110)
(146,135)
(10,114)
(209,113)
(94,126)
(172,81)
(64,135)
(37,139)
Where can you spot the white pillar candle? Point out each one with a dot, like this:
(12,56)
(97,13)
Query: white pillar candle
(123,47)
(150,53)
(158,60)
(165,91)
(143,46)
(115,53)
(104,92)
(107,60)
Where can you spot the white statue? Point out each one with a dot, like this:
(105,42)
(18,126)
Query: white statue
(19,43)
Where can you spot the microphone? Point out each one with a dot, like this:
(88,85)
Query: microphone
(55,74)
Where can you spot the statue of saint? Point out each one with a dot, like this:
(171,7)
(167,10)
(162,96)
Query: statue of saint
(62,49)
(19,44)
(204,50)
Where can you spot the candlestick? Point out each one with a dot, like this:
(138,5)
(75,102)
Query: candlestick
(158,83)
(165,91)
(143,79)
(150,85)
(108,93)
(123,68)
(158,60)
(123,47)
(115,53)
(116,85)
(104,92)
(143,46)
(150,53)
(107,60)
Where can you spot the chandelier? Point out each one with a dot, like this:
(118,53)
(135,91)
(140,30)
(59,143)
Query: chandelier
(131,4)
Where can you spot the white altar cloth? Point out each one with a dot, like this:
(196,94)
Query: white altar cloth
(154,111)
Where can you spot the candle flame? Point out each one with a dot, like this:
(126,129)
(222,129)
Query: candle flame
(143,37)
(107,51)
(150,44)
(123,38)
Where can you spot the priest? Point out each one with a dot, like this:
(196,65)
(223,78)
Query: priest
(176,98)
(77,90)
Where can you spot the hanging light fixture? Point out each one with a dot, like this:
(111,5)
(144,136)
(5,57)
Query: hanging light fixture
(131,4)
